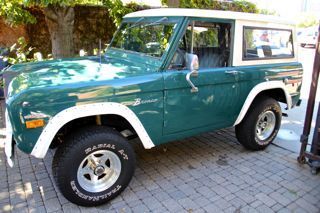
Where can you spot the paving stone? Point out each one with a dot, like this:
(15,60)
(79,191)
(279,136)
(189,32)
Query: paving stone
(71,208)
(237,203)
(306,205)
(280,198)
(202,201)
(246,209)
(160,210)
(266,199)
(212,208)
(222,204)
(52,205)
(187,204)
(38,209)
(284,210)
(152,203)
(178,177)
(177,195)
(119,205)
(264,209)
(172,205)
(161,196)
(246,197)
(277,207)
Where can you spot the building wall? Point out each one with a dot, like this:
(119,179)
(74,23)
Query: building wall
(9,35)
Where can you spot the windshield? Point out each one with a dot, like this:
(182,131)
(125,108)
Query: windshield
(145,36)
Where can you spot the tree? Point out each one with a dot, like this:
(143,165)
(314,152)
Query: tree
(60,22)
(59,15)
(117,10)
(236,5)
(307,20)
(173,3)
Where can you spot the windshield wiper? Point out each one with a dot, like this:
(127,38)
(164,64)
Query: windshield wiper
(156,22)
(136,23)
(146,25)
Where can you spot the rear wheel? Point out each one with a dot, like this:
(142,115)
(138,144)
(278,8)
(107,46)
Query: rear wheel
(260,125)
(93,166)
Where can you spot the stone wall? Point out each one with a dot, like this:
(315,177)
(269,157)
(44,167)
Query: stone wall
(91,24)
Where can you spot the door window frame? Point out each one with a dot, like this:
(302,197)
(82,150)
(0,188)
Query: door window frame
(183,30)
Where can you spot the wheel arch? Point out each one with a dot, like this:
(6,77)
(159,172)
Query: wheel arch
(273,89)
(68,115)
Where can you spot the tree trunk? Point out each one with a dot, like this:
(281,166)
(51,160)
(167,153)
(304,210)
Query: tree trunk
(174,3)
(60,22)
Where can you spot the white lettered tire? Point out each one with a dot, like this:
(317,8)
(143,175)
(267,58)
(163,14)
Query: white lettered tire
(93,166)
(261,124)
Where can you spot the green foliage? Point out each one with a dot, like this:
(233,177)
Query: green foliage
(14,13)
(20,52)
(237,5)
(117,10)
(268,12)
(45,3)
(308,20)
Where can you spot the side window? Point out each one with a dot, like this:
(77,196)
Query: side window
(264,43)
(210,41)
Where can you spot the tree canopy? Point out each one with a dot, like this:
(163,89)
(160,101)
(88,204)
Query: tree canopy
(237,5)
(59,16)
(15,11)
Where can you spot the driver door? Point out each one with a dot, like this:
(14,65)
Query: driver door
(214,105)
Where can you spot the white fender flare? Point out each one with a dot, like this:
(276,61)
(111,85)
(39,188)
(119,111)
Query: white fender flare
(256,90)
(59,120)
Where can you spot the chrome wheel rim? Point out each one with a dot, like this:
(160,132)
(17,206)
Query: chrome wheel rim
(265,125)
(99,171)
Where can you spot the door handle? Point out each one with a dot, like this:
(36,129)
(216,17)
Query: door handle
(193,87)
(232,72)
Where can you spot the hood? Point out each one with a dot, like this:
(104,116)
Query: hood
(70,72)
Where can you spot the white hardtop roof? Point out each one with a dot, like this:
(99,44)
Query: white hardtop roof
(201,13)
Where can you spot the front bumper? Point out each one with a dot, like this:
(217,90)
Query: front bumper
(9,144)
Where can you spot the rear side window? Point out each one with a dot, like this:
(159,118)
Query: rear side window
(266,43)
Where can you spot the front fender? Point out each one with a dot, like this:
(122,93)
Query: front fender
(58,121)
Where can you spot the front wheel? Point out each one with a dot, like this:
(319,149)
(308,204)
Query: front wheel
(260,125)
(93,166)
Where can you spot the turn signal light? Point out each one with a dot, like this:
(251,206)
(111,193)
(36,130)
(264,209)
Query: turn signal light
(34,124)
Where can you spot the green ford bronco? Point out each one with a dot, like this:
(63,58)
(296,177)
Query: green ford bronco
(167,74)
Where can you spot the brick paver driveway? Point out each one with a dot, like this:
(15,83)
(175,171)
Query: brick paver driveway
(207,173)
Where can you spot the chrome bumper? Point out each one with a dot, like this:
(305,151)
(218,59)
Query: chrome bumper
(8,147)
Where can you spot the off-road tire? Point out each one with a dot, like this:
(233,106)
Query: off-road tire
(76,149)
(246,131)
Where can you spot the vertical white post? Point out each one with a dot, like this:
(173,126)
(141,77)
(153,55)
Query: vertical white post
(192,36)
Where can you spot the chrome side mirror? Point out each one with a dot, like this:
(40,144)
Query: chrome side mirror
(192,62)
(193,66)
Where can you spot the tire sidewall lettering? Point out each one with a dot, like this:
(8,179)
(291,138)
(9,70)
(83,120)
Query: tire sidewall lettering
(83,194)
(100,146)
(121,152)
(93,198)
